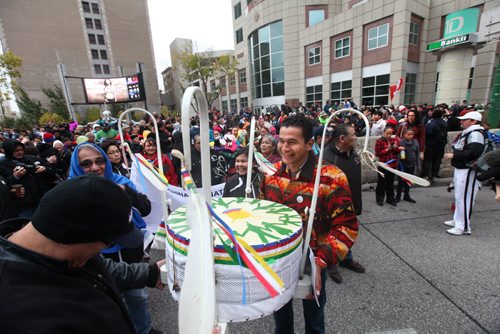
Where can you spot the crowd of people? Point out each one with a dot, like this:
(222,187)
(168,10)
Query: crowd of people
(35,166)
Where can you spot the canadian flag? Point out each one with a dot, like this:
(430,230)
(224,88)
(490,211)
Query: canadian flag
(394,89)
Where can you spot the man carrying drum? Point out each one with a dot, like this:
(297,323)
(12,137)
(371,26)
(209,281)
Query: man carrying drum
(335,226)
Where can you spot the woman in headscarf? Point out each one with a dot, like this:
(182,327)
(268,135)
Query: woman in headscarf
(89,158)
(150,153)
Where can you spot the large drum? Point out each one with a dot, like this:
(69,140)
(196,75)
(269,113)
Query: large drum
(272,229)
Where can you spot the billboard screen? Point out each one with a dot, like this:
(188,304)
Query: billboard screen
(114,90)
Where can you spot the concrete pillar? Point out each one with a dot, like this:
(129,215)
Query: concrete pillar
(454,75)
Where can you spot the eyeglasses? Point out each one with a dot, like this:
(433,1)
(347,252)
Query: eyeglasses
(89,163)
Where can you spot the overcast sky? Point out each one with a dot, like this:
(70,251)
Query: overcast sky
(207,22)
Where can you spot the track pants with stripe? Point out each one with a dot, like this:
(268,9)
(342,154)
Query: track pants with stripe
(466,188)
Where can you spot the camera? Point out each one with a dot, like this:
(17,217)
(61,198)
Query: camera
(30,168)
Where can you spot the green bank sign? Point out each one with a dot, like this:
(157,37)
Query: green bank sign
(444,43)
(461,23)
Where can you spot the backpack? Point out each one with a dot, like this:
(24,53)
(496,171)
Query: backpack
(492,143)
(441,134)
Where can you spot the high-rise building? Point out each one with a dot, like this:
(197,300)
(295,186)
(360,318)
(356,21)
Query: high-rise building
(312,51)
(92,38)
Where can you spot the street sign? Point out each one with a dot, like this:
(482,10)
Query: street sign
(444,43)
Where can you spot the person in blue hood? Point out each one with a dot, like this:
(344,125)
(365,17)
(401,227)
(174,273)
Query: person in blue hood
(89,158)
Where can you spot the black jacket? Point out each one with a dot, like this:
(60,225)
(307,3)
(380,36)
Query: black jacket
(465,151)
(350,164)
(36,185)
(236,184)
(42,295)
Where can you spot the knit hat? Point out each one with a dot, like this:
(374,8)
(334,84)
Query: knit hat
(48,138)
(85,209)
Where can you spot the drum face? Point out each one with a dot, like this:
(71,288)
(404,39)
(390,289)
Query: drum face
(272,229)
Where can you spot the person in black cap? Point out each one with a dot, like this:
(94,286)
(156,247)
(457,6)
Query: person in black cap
(52,278)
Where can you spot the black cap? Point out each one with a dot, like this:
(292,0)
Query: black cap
(85,209)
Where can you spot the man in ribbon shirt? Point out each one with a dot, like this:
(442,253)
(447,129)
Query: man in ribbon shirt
(335,227)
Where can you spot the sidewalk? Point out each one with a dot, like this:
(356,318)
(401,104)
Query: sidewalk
(418,278)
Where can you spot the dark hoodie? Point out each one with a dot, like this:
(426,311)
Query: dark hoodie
(350,164)
(36,185)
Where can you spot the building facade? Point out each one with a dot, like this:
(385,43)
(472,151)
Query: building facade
(306,51)
(92,38)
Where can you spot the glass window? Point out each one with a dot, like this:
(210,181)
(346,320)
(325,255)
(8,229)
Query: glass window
(104,54)
(414,33)
(276,29)
(92,39)
(224,105)
(277,59)
(95,54)
(410,88)
(98,24)
(342,47)
(97,69)
(105,69)
(243,76)
(243,102)
(314,94)
(340,90)
(237,10)
(277,44)
(95,8)
(264,62)
(100,39)
(86,7)
(314,55)
(278,74)
(378,36)
(239,35)
(375,90)
(223,82)
(232,80)
(279,88)
(234,104)
(212,85)
(89,24)
(315,16)
(267,58)
(264,34)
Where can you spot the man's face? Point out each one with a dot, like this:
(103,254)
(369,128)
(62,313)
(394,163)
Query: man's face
(197,144)
(411,117)
(91,162)
(293,147)
(18,152)
(375,117)
(80,253)
(349,141)
(465,123)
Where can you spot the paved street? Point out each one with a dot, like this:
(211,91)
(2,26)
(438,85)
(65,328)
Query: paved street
(419,279)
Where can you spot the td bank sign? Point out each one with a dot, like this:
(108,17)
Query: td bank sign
(461,23)
(457,28)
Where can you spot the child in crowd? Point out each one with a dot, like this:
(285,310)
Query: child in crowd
(236,184)
(387,149)
(409,160)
